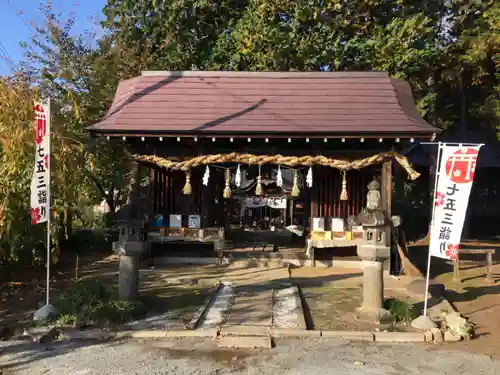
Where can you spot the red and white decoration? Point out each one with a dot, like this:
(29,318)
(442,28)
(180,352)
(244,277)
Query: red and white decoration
(40,182)
(455,176)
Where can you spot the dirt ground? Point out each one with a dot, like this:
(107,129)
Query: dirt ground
(21,297)
(474,297)
(185,287)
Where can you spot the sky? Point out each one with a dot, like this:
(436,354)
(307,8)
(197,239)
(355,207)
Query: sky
(16,15)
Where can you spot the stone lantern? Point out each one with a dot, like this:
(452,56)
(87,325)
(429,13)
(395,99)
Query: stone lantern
(130,246)
(374,251)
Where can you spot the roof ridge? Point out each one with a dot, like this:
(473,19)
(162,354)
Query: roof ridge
(270,74)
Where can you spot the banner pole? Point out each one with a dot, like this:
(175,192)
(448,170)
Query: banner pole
(49,200)
(427,277)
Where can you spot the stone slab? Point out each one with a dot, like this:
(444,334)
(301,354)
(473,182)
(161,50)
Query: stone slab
(450,336)
(399,336)
(291,332)
(87,334)
(43,334)
(245,330)
(437,335)
(208,332)
(252,306)
(348,335)
(247,342)
(428,336)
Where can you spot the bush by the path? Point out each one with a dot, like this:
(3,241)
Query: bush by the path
(92,302)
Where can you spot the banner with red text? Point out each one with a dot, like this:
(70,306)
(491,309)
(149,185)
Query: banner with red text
(40,182)
(455,176)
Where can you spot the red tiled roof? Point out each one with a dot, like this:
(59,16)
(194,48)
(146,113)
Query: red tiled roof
(317,103)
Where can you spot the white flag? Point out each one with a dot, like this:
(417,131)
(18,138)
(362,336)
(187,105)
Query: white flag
(455,175)
(40,182)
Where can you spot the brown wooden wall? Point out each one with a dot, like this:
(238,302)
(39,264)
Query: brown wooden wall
(324,196)
(327,186)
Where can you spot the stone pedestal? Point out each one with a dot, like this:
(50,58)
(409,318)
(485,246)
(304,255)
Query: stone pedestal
(129,277)
(373,258)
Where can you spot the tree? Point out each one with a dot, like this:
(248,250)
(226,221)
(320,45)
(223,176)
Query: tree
(81,80)
(17,235)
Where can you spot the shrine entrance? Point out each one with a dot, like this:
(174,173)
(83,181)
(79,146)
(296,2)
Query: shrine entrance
(262,214)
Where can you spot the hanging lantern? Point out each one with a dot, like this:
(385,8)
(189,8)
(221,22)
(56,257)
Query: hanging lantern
(309,178)
(295,188)
(187,190)
(237,178)
(227,190)
(343,193)
(258,188)
(279,178)
(206,176)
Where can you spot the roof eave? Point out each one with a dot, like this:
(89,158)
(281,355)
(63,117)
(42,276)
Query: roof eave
(271,134)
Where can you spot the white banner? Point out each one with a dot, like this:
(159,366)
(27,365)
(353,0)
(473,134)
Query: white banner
(278,203)
(40,182)
(455,175)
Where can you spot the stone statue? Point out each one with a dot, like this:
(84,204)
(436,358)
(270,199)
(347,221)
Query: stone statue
(373,196)
(373,214)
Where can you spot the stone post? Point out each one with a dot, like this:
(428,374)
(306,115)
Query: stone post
(130,244)
(374,251)
(130,247)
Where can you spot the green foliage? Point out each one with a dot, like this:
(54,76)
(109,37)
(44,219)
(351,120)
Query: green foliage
(447,50)
(96,303)
(403,311)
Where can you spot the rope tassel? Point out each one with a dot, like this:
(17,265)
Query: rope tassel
(295,188)
(227,190)
(343,194)
(187,190)
(258,188)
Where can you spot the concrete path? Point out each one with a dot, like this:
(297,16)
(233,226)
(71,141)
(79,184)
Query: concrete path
(253,306)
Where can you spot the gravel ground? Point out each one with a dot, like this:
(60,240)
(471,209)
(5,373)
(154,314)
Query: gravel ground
(196,357)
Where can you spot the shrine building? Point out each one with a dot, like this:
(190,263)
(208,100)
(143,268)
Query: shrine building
(260,162)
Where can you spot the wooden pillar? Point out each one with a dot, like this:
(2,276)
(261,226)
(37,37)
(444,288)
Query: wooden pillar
(150,196)
(134,186)
(386,186)
(165,181)
(156,191)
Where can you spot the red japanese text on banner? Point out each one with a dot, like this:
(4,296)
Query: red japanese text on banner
(40,182)
(455,176)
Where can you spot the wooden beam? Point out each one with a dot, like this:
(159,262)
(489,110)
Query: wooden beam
(386,186)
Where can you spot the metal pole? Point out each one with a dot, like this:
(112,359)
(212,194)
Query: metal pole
(426,293)
(50,210)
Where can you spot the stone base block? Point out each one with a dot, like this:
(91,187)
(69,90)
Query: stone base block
(290,332)
(451,336)
(209,333)
(437,335)
(242,330)
(245,342)
(399,336)
(348,335)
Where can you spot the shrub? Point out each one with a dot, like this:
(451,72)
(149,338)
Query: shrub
(403,311)
(96,303)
